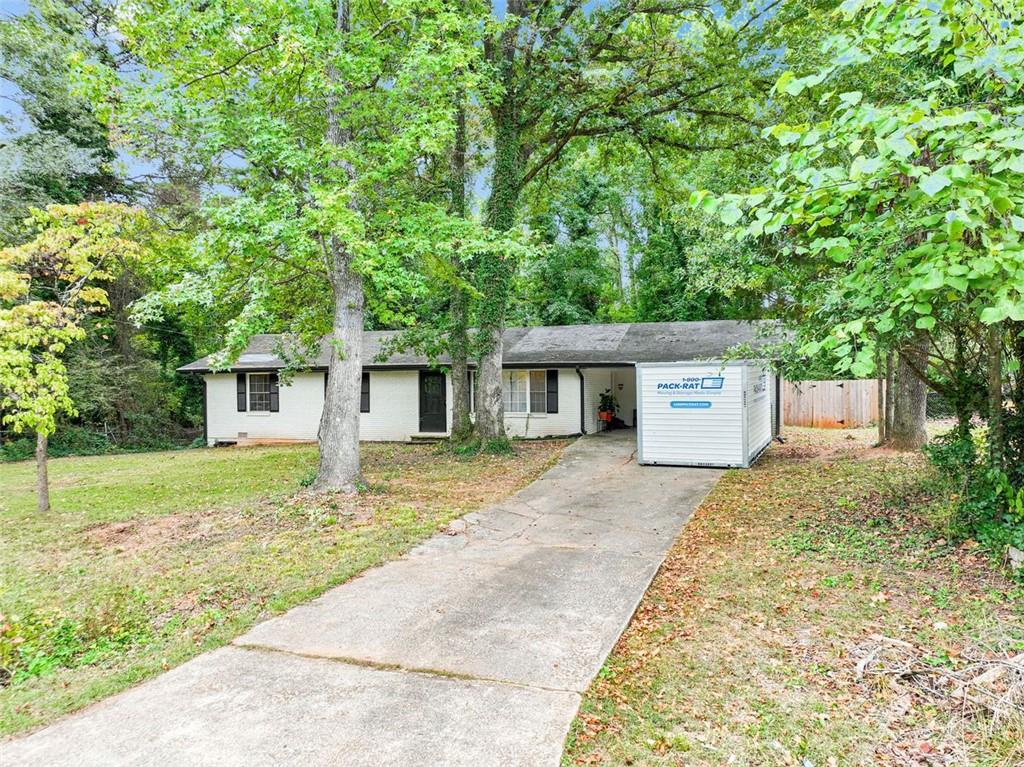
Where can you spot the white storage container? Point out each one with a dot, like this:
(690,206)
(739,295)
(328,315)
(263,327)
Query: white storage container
(703,413)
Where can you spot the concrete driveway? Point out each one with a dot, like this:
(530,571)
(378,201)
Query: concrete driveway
(472,650)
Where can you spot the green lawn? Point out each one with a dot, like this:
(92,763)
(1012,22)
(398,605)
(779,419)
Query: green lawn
(148,559)
(773,633)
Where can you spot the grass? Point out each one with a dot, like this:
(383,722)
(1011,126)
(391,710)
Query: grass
(148,559)
(745,650)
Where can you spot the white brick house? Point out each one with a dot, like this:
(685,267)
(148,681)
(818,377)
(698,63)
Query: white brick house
(553,379)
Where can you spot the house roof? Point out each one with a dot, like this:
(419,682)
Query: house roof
(544,346)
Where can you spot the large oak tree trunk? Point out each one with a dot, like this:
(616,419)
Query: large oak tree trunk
(490,414)
(339,469)
(42,474)
(495,271)
(458,342)
(462,423)
(890,392)
(910,413)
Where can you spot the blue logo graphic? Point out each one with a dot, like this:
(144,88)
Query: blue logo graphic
(712,383)
(690,404)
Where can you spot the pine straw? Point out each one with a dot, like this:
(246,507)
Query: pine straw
(980,691)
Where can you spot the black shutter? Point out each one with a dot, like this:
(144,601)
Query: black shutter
(240,387)
(364,393)
(275,397)
(552,391)
(325,386)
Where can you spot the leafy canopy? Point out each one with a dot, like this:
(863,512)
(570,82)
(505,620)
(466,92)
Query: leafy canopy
(902,209)
(245,87)
(47,287)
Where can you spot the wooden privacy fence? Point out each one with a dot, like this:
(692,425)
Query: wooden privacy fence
(830,404)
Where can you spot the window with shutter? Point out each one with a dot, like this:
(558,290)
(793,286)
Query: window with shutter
(531,391)
(259,392)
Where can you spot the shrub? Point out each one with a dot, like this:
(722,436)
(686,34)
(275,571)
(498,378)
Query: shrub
(984,502)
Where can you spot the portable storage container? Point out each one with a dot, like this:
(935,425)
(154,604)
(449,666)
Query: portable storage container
(704,413)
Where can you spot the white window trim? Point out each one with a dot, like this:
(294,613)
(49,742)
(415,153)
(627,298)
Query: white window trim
(527,413)
(248,396)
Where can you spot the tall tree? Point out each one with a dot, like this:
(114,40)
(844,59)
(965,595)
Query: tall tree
(317,115)
(48,286)
(53,149)
(572,280)
(903,210)
(665,74)
(462,425)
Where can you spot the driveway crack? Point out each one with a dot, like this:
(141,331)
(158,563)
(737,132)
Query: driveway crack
(398,667)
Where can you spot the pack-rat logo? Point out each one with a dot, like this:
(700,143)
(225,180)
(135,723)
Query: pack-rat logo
(692,383)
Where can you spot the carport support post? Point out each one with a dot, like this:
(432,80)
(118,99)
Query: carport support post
(583,406)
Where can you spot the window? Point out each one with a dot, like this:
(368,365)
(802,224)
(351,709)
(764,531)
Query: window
(533,391)
(259,392)
(516,389)
(538,391)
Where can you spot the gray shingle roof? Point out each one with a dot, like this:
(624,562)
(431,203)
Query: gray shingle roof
(558,345)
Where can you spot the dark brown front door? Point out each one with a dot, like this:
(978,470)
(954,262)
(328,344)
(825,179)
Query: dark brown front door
(433,402)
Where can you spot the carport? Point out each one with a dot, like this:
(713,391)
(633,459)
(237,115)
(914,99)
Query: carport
(607,358)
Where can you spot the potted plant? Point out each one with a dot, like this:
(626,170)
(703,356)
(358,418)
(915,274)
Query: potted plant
(607,405)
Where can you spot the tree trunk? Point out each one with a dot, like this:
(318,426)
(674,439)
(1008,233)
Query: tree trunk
(996,437)
(494,271)
(339,469)
(910,412)
(42,475)
(881,409)
(462,423)
(890,394)
(458,342)
(490,413)
(959,395)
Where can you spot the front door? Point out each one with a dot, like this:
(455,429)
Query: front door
(433,402)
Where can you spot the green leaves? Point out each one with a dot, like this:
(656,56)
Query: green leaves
(862,167)
(47,286)
(730,214)
(315,142)
(933,183)
(905,207)
(791,85)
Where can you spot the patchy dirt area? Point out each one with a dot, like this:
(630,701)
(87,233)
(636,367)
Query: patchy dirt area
(138,535)
(812,613)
